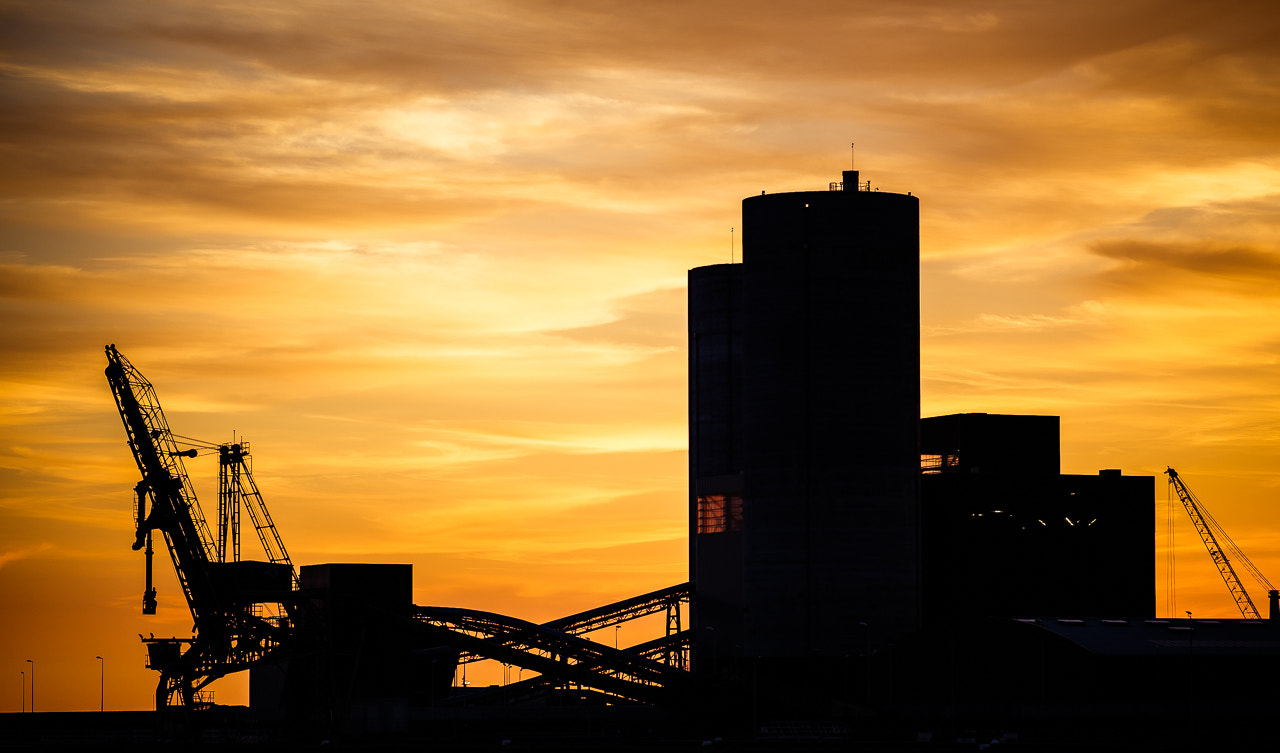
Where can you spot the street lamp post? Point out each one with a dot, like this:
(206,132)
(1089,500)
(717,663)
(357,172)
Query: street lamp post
(101,683)
(1191,666)
(755,698)
(24,690)
(866,631)
(33,685)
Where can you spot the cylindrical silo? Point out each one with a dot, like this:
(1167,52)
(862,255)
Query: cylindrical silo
(716,453)
(825,430)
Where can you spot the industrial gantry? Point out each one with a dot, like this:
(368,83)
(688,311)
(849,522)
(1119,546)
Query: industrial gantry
(251,614)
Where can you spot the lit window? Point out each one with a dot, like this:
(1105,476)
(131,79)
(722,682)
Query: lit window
(718,513)
(945,463)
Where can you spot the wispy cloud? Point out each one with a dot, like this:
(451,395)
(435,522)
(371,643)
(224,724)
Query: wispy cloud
(1084,313)
(13,555)
(1181,268)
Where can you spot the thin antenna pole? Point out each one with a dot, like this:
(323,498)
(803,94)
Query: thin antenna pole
(730,245)
(853,161)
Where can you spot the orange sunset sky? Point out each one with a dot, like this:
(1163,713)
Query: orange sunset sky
(429,259)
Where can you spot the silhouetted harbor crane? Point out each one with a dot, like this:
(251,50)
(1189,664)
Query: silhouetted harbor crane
(1205,525)
(226,596)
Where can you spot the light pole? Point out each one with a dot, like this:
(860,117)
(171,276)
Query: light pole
(616,628)
(33,685)
(755,698)
(24,690)
(101,682)
(1191,666)
(866,630)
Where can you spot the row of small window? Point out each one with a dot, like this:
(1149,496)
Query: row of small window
(719,513)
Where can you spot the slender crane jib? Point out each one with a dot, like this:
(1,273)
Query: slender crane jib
(1205,525)
(173,510)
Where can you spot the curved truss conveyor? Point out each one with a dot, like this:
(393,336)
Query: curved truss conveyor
(560,656)
(541,685)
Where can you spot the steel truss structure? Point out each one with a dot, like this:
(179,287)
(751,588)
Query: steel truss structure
(542,685)
(555,651)
(236,489)
(670,600)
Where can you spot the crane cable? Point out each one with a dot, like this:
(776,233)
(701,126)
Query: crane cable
(192,442)
(1236,551)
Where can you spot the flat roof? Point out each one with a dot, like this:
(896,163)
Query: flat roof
(1164,636)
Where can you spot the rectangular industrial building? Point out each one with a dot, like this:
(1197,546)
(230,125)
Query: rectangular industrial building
(1005,534)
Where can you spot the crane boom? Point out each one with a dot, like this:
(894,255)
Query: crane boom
(1228,573)
(173,508)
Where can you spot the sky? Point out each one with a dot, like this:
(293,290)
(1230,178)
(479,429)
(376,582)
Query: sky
(429,260)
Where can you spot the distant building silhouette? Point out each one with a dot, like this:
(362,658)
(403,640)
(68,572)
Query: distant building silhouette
(1004,534)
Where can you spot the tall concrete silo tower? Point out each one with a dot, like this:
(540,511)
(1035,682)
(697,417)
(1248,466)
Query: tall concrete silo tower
(804,406)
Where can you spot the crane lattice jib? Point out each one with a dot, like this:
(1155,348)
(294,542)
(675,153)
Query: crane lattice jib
(1228,573)
(174,509)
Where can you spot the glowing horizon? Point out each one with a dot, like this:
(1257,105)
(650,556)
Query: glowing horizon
(430,261)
